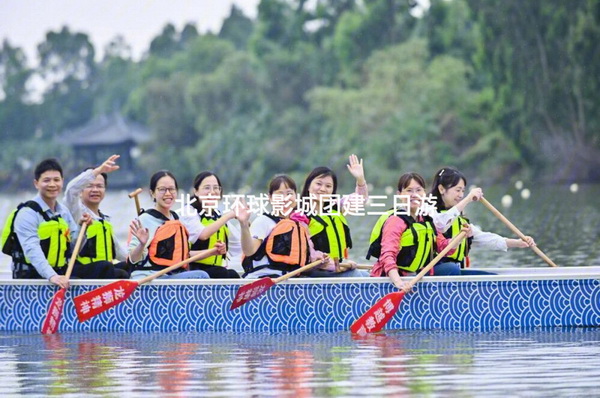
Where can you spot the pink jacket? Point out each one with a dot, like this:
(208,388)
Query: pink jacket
(392,232)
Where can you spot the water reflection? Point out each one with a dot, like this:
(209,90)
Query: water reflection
(403,363)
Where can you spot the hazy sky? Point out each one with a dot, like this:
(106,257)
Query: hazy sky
(25,22)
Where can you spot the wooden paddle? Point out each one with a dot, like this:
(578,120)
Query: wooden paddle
(134,195)
(254,289)
(516,231)
(96,301)
(50,325)
(379,314)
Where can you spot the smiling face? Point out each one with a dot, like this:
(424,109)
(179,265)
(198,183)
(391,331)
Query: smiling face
(283,198)
(321,185)
(165,193)
(49,186)
(415,192)
(451,196)
(94,192)
(209,187)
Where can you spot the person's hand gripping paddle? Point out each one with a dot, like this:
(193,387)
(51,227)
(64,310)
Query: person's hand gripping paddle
(252,290)
(383,310)
(96,301)
(50,325)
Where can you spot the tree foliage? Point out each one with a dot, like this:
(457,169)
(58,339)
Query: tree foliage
(497,89)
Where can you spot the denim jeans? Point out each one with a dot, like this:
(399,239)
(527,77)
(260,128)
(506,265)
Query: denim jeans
(186,275)
(351,273)
(451,268)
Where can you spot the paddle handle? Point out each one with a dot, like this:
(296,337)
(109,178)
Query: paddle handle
(76,250)
(451,245)
(512,227)
(155,275)
(364,266)
(134,195)
(297,271)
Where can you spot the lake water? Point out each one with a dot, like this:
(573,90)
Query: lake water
(521,363)
(538,363)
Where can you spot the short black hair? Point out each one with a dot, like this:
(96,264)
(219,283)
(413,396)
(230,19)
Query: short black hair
(406,178)
(321,171)
(47,165)
(102,174)
(281,179)
(197,204)
(160,174)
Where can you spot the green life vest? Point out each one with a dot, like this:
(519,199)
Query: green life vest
(99,245)
(53,233)
(222,235)
(464,247)
(417,242)
(330,234)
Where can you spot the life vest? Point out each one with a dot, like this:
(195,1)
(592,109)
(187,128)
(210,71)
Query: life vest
(53,232)
(286,247)
(463,249)
(99,245)
(170,242)
(222,235)
(330,234)
(417,243)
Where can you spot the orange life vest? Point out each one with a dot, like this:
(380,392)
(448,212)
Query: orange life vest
(170,243)
(286,247)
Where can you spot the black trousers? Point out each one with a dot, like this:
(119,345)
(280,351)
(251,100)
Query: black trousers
(95,270)
(215,271)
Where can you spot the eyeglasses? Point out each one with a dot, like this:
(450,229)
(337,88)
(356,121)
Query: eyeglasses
(95,186)
(418,191)
(163,190)
(209,188)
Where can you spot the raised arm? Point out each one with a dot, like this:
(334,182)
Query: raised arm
(249,244)
(209,230)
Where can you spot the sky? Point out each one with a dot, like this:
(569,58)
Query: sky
(24,23)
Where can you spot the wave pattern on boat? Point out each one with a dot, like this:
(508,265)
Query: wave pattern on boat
(461,303)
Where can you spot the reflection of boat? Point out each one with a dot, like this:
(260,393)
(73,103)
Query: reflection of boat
(392,363)
(513,298)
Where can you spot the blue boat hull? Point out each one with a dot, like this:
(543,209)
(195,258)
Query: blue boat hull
(482,303)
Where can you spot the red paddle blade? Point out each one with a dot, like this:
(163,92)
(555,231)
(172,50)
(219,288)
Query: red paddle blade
(94,302)
(50,325)
(251,291)
(378,315)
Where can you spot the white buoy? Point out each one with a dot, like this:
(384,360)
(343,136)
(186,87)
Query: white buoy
(506,200)
(525,193)
(519,184)
(389,190)
(574,187)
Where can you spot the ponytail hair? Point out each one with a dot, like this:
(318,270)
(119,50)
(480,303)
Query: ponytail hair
(447,177)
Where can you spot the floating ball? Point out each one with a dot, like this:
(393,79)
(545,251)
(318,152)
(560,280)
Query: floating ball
(506,200)
(574,187)
(526,193)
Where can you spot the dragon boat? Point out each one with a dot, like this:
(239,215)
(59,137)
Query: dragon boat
(513,298)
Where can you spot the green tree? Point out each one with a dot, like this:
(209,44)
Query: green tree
(17,116)
(237,28)
(117,77)
(378,23)
(543,62)
(412,110)
(69,71)
(165,44)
